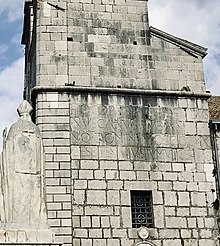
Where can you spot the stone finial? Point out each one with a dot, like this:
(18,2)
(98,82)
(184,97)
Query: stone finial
(143,233)
(25,109)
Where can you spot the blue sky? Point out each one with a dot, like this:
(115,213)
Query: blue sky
(10,29)
(195,20)
(11,61)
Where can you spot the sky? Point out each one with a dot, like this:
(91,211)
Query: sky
(195,20)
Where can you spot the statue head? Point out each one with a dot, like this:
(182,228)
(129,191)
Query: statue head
(24,110)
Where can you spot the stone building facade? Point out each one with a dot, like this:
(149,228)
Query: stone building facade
(122,109)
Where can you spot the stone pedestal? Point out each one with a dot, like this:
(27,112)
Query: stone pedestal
(30,244)
(26,236)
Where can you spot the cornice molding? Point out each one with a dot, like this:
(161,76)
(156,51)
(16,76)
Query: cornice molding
(184,44)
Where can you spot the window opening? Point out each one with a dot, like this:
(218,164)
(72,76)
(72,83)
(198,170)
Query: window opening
(142,209)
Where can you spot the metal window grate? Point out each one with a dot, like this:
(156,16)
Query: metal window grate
(142,209)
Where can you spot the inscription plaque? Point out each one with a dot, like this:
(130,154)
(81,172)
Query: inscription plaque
(125,132)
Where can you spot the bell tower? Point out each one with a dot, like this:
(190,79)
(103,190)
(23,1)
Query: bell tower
(91,43)
(122,109)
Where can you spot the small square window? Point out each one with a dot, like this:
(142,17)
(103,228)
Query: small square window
(142,209)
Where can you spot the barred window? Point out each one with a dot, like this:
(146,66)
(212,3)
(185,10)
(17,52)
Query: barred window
(142,209)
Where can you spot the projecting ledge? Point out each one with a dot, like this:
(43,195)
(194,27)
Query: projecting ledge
(30,244)
(73,89)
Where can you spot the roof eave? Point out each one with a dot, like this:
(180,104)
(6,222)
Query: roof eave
(188,46)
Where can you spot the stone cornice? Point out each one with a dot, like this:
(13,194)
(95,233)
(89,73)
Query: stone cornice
(184,44)
(73,89)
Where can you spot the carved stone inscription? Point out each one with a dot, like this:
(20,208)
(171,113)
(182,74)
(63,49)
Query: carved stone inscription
(123,131)
(108,125)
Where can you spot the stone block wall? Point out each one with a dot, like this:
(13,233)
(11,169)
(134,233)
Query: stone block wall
(174,69)
(121,109)
(103,43)
(53,119)
(100,146)
(110,41)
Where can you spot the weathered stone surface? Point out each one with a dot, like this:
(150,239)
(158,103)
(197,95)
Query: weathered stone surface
(23,209)
(26,236)
(106,162)
(22,171)
(30,244)
(121,107)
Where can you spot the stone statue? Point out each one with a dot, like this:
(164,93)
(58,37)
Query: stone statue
(22,176)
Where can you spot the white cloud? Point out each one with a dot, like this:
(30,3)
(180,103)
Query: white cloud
(197,21)
(12,8)
(11,86)
(16,39)
(3,48)
(6,49)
